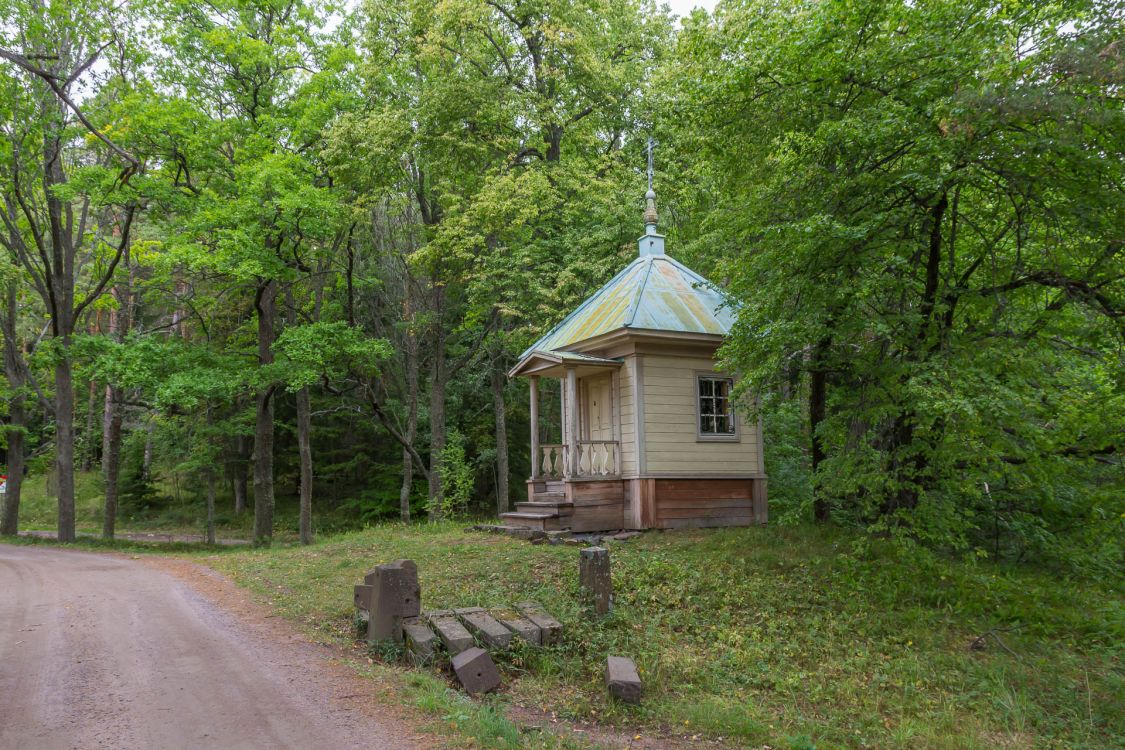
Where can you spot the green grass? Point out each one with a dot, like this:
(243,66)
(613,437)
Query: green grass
(179,511)
(781,637)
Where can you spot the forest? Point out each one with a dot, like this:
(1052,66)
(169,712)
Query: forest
(279,255)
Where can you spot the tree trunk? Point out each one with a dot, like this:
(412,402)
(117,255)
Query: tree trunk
(90,452)
(17,419)
(64,442)
(238,476)
(266,304)
(502,496)
(304,429)
(437,422)
(410,350)
(211,505)
(818,399)
(146,459)
(111,461)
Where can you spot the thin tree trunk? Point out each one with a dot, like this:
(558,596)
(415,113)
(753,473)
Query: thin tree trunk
(266,304)
(112,462)
(437,421)
(211,481)
(818,400)
(146,459)
(109,406)
(90,452)
(304,430)
(17,422)
(502,496)
(64,443)
(239,476)
(17,418)
(411,354)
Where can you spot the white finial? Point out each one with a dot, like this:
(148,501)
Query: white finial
(651,243)
(650,196)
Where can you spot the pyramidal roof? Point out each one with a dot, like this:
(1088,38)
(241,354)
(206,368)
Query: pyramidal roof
(655,293)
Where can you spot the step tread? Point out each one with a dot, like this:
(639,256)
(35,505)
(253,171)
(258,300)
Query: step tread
(534,516)
(555,509)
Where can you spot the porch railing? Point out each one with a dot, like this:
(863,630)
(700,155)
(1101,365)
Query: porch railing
(552,464)
(596,458)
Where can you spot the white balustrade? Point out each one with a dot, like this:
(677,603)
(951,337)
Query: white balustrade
(596,458)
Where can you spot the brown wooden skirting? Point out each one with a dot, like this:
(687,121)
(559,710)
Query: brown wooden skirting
(663,503)
(675,503)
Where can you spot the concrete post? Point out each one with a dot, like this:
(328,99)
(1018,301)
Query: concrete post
(595,579)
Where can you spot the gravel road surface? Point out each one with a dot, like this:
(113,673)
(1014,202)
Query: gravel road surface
(103,651)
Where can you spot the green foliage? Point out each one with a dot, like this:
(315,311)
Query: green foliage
(327,350)
(458,475)
(867,184)
(137,493)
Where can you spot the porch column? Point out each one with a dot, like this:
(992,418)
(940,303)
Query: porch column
(534,389)
(571,421)
(615,415)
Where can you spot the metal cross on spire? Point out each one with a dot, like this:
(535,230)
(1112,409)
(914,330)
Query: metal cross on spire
(651,147)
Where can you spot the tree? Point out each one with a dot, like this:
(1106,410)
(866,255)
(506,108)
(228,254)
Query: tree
(68,205)
(258,206)
(921,214)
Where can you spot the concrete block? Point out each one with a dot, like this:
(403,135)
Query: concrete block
(398,588)
(550,629)
(476,672)
(595,579)
(524,628)
(485,627)
(362,596)
(395,595)
(622,679)
(451,632)
(421,642)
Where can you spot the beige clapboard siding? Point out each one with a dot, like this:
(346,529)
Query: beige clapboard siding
(628,428)
(671,444)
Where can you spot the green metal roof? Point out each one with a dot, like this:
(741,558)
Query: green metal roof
(654,293)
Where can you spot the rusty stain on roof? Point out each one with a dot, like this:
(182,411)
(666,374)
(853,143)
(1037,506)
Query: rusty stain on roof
(655,293)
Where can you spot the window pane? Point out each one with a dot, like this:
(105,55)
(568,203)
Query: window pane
(707,424)
(706,387)
(722,425)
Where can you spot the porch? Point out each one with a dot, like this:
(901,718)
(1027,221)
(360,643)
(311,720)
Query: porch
(575,483)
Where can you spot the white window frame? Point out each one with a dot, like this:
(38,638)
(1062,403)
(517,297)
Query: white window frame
(735,435)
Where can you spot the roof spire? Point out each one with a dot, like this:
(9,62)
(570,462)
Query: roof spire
(650,196)
(651,243)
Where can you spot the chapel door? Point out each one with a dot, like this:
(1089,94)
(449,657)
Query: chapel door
(599,412)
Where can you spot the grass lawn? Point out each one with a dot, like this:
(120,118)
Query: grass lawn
(180,512)
(779,637)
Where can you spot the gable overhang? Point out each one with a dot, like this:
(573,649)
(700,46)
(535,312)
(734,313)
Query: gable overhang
(550,364)
(607,340)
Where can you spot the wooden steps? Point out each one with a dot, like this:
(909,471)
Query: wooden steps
(577,506)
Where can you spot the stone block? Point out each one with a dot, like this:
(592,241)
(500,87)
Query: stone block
(476,672)
(524,628)
(362,596)
(622,679)
(550,629)
(421,642)
(451,632)
(595,579)
(485,627)
(395,595)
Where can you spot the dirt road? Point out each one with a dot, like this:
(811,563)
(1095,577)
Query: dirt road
(100,651)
